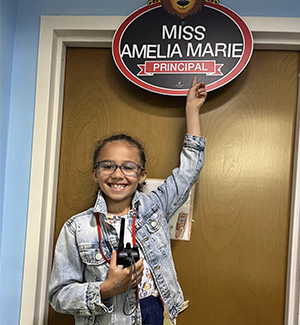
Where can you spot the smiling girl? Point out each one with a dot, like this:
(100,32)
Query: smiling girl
(86,280)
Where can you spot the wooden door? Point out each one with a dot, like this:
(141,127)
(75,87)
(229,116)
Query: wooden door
(233,271)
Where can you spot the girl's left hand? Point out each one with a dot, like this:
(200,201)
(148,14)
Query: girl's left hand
(196,95)
(118,279)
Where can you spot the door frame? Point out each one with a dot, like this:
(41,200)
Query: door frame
(57,33)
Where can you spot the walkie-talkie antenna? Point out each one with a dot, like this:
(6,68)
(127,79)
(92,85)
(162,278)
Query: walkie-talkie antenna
(122,230)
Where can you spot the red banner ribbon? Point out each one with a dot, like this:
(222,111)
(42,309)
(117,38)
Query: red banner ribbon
(210,68)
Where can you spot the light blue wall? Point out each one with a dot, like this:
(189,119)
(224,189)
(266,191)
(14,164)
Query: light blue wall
(8,11)
(266,8)
(8,14)
(18,80)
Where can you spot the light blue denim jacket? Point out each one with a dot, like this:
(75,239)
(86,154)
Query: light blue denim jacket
(79,269)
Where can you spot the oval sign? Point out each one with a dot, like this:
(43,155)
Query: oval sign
(161,52)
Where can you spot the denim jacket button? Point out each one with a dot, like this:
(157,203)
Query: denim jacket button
(153,224)
(98,257)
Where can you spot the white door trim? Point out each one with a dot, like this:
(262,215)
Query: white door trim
(56,34)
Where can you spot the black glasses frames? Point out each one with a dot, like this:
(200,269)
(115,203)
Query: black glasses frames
(109,167)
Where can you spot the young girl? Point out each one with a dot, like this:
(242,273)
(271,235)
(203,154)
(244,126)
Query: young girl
(86,280)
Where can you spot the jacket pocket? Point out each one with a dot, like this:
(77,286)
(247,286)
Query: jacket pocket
(157,228)
(91,255)
(153,220)
(96,268)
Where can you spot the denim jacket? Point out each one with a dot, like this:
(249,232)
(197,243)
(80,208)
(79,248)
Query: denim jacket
(79,268)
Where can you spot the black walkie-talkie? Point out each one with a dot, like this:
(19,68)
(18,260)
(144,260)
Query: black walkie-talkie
(126,256)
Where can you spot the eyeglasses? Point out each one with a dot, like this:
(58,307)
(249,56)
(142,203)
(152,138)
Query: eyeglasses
(109,167)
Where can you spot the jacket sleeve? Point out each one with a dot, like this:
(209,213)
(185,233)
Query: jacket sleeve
(68,293)
(175,190)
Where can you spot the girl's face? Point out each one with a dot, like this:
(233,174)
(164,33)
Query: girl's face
(117,187)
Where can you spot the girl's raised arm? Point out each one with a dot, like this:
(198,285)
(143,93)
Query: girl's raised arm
(195,99)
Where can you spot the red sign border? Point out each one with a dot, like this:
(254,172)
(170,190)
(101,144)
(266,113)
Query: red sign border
(239,67)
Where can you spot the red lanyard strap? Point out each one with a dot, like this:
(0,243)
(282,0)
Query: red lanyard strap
(133,229)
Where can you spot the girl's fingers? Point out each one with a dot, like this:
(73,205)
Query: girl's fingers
(194,81)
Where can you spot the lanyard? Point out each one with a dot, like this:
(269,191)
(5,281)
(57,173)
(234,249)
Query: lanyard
(100,236)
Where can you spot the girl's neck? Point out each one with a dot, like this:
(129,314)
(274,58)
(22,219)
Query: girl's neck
(117,208)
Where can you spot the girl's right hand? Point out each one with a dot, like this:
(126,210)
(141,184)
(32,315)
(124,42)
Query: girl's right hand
(118,279)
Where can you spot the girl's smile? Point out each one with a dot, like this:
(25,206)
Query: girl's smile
(117,187)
